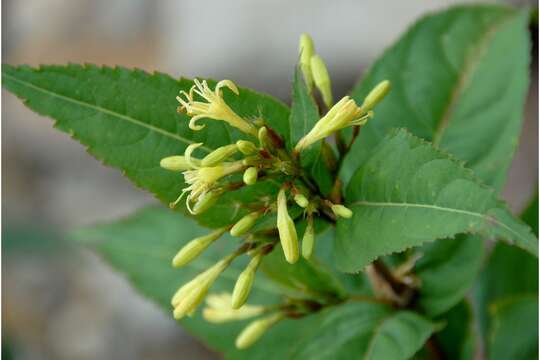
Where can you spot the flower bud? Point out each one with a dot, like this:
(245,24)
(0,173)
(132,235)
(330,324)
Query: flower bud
(308,240)
(307,50)
(244,282)
(255,330)
(342,211)
(250,176)
(286,229)
(246,147)
(195,247)
(206,201)
(219,155)
(176,163)
(189,303)
(219,310)
(245,224)
(322,79)
(190,295)
(301,200)
(376,95)
(264,138)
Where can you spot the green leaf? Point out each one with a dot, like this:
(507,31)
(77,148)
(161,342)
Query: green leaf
(515,329)
(367,331)
(142,246)
(304,115)
(128,119)
(506,264)
(457,339)
(406,181)
(459,78)
(447,270)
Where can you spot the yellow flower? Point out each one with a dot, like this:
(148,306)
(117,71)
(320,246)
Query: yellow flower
(219,310)
(214,107)
(202,180)
(344,113)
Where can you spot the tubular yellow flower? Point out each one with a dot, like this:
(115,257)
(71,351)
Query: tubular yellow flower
(217,156)
(255,330)
(177,163)
(243,285)
(286,229)
(246,147)
(342,211)
(189,296)
(245,224)
(201,180)
(308,240)
(219,310)
(250,176)
(215,107)
(344,113)
(306,50)
(376,95)
(195,247)
(322,79)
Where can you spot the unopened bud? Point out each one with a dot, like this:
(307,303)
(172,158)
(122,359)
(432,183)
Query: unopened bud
(206,201)
(195,247)
(245,224)
(307,50)
(246,147)
(342,211)
(308,240)
(255,330)
(301,200)
(219,310)
(376,95)
(189,296)
(322,79)
(286,229)
(219,155)
(250,176)
(189,303)
(264,138)
(243,285)
(177,163)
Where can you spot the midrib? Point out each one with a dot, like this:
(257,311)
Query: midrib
(99,109)
(468,68)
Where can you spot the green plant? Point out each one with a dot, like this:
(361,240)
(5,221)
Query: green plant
(404,196)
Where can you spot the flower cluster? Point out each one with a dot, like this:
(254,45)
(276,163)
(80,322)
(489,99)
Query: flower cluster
(261,155)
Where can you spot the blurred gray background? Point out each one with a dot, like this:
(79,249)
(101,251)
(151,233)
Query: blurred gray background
(60,302)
